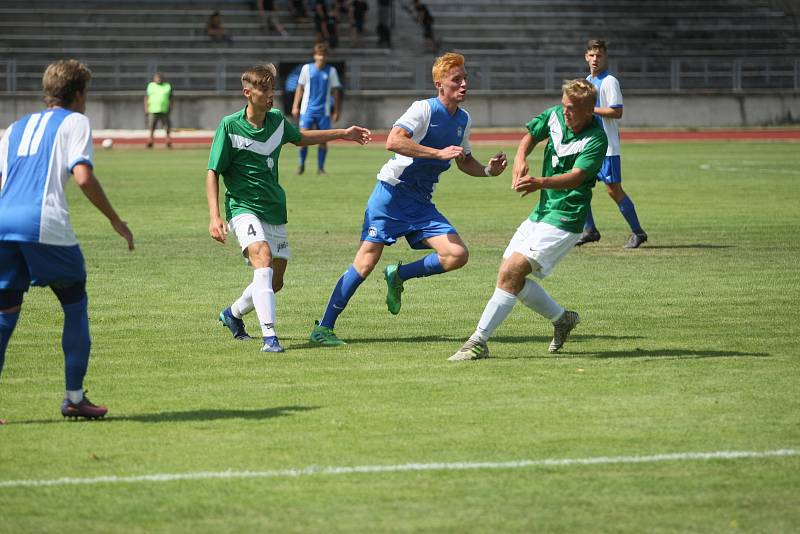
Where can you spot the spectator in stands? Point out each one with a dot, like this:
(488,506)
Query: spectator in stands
(269,19)
(317,101)
(157,103)
(215,31)
(609,110)
(297,9)
(358,12)
(425,19)
(322,35)
(385,23)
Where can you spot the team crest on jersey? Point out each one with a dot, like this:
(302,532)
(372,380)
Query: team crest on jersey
(460,131)
(270,162)
(372,231)
(553,162)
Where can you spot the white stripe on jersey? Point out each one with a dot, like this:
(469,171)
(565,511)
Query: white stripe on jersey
(556,134)
(265,148)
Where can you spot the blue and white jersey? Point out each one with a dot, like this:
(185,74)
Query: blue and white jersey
(609,95)
(318,86)
(37,155)
(431,125)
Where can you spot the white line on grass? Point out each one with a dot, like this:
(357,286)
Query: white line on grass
(447,466)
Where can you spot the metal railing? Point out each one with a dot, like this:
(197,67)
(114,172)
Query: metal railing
(531,74)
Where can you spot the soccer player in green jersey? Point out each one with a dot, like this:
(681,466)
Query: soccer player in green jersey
(245,152)
(576,146)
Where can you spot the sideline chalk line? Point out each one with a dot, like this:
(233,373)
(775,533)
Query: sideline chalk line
(399,468)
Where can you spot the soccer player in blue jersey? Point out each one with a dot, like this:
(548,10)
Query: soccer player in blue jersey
(609,110)
(317,101)
(37,244)
(429,135)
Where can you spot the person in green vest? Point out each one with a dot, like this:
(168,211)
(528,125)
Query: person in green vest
(157,103)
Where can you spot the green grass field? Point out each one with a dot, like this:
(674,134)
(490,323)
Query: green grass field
(687,345)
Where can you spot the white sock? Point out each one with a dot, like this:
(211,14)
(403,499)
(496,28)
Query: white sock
(534,297)
(495,312)
(75,396)
(264,300)
(243,304)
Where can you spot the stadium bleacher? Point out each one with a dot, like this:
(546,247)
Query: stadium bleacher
(510,44)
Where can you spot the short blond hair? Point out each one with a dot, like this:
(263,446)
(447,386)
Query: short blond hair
(580,90)
(260,76)
(63,80)
(444,63)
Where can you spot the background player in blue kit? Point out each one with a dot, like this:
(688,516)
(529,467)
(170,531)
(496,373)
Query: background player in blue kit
(609,109)
(425,139)
(317,101)
(37,244)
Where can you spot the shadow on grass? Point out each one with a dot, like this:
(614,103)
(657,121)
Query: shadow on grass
(191,415)
(694,245)
(457,340)
(674,354)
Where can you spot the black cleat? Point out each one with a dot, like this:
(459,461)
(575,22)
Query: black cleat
(588,236)
(636,240)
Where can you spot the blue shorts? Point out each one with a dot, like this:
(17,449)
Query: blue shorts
(318,121)
(25,264)
(611,171)
(391,214)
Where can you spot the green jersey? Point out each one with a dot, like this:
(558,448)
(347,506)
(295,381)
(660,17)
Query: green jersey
(247,159)
(567,208)
(158,95)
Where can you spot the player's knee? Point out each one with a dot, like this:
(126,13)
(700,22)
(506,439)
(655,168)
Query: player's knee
(456,259)
(10,300)
(70,292)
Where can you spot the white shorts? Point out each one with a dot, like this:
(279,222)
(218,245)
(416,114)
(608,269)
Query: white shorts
(542,244)
(250,229)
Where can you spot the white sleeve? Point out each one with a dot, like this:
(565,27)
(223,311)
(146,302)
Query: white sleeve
(334,79)
(612,92)
(465,140)
(4,154)
(416,119)
(78,140)
(303,78)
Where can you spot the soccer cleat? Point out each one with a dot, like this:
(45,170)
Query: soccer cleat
(322,335)
(589,235)
(84,408)
(321,172)
(394,289)
(236,326)
(636,240)
(271,344)
(471,350)
(301,169)
(562,328)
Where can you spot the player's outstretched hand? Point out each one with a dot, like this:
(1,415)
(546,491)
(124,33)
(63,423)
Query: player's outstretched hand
(360,135)
(451,152)
(217,229)
(498,164)
(121,227)
(525,185)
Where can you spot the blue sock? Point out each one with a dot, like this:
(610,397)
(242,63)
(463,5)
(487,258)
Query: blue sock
(321,154)
(76,343)
(629,212)
(427,266)
(303,154)
(345,288)
(7,323)
(589,225)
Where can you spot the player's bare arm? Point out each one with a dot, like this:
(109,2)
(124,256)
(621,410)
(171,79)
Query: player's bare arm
(298,97)
(469,165)
(524,149)
(609,113)
(91,187)
(337,105)
(569,180)
(400,142)
(216,225)
(358,134)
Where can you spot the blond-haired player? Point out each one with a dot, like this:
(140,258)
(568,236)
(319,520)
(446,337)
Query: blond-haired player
(245,152)
(429,135)
(574,151)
